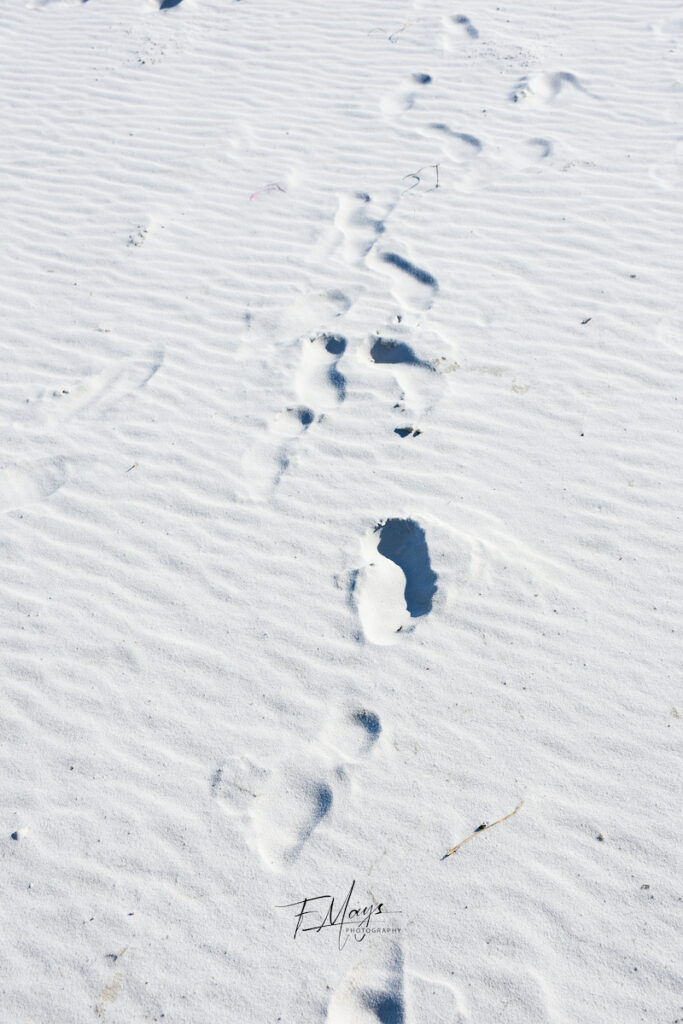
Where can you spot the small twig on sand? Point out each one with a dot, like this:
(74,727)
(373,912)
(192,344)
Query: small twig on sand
(416,175)
(273,187)
(392,38)
(482,828)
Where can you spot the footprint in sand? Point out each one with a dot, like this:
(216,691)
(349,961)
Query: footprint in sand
(397,583)
(457,29)
(373,991)
(30,482)
(404,98)
(412,287)
(418,381)
(318,381)
(544,88)
(266,461)
(361,223)
(379,990)
(300,794)
(460,147)
(94,395)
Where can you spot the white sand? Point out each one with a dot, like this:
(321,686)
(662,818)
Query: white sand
(256,644)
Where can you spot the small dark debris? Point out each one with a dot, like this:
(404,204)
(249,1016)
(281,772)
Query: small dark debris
(645,886)
(600,838)
(480,828)
(15,835)
(587,320)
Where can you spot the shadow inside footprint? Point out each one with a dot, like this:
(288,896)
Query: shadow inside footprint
(387,351)
(465,137)
(409,268)
(369,721)
(387,1008)
(466,24)
(166,4)
(322,801)
(403,542)
(301,415)
(334,344)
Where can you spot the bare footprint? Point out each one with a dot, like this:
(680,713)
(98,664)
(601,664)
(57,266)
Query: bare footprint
(457,29)
(404,98)
(397,583)
(30,482)
(292,806)
(318,381)
(267,460)
(544,88)
(360,223)
(373,991)
(459,147)
(95,395)
(419,385)
(412,287)
(300,794)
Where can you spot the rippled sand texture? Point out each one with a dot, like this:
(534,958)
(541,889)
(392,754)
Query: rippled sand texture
(339,494)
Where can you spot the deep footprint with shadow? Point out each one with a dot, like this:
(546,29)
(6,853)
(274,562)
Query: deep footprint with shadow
(403,542)
(413,287)
(388,352)
(418,380)
(397,584)
(318,381)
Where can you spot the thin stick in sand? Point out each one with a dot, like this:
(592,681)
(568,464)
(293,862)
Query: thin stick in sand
(482,828)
